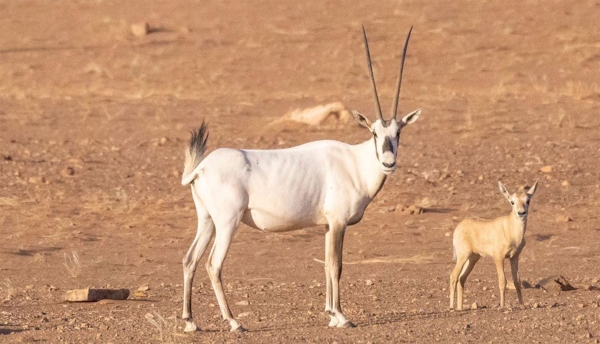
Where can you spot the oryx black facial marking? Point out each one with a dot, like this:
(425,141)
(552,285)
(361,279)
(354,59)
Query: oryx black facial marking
(387,145)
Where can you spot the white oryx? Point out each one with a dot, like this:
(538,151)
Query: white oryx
(327,183)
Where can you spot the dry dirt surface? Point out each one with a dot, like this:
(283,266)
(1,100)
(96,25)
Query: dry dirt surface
(94,119)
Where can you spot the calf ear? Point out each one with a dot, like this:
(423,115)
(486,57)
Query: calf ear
(410,118)
(361,119)
(504,190)
(532,189)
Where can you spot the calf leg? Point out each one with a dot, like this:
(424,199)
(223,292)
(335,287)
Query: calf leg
(514,267)
(466,270)
(461,259)
(501,278)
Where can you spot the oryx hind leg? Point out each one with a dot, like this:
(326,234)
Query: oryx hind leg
(214,265)
(190,260)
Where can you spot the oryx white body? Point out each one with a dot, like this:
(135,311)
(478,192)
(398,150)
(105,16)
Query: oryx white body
(319,183)
(500,238)
(287,189)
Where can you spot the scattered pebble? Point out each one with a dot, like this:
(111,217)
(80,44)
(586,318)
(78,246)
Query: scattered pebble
(140,29)
(369,282)
(546,169)
(242,303)
(563,218)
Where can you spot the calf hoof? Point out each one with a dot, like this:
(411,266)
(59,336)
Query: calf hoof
(347,324)
(190,327)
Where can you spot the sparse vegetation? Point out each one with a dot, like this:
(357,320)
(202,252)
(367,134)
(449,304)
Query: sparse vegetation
(72,263)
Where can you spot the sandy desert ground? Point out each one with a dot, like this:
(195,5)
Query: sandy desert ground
(93,122)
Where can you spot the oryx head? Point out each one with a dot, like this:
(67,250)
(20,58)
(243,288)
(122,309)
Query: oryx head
(519,201)
(386,133)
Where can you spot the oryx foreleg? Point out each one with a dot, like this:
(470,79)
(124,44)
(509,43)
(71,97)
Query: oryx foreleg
(334,243)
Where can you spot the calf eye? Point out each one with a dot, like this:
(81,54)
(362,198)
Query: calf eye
(512,202)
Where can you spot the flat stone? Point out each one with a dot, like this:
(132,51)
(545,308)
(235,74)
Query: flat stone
(92,295)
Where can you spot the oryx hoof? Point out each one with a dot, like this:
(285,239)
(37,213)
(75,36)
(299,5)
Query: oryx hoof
(190,327)
(238,329)
(347,324)
(334,320)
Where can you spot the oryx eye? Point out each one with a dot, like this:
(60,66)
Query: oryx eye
(398,133)
(512,202)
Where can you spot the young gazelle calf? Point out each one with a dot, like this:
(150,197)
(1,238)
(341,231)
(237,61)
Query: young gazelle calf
(501,238)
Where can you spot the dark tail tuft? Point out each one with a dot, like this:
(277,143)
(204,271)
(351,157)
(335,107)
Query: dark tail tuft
(194,153)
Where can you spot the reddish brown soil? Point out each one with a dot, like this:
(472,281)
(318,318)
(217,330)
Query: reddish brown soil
(93,121)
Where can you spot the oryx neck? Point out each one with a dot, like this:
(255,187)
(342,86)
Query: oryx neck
(369,167)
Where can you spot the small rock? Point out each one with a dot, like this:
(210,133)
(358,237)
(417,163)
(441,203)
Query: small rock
(546,169)
(412,210)
(580,305)
(526,285)
(143,288)
(535,306)
(140,29)
(565,183)
(243,315)
(69,171)
(36,180)
(563,218)
(555,283)
(474,305)
(29,287)
(369,282)
(484,288)
(242,303)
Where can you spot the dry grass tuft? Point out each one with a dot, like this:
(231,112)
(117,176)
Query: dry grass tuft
(72,263)
(167,330)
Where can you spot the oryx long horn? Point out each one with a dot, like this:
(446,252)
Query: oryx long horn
(399,82)
(377,105)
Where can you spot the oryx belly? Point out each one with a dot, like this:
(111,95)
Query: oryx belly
(285,190)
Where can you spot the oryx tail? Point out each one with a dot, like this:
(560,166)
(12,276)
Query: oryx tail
(194,154)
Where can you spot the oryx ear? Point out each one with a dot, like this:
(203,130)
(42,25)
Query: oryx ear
(532,189)
(504,190)
(361,119)
(410,118)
